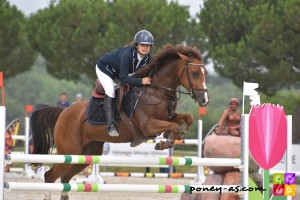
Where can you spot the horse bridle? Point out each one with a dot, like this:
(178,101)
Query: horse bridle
(185,67)
(190,92)
(171,90)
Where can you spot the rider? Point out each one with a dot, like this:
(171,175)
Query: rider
(120,63)
(231,117)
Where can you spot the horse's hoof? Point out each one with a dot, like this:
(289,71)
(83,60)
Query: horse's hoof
(166,135)
(156,147)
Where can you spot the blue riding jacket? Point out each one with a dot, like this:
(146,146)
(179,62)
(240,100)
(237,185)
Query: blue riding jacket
(121,62)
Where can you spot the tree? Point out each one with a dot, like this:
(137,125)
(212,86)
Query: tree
(16,55)
(256,41)
(71,35)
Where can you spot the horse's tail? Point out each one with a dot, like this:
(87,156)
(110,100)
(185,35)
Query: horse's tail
(42,128)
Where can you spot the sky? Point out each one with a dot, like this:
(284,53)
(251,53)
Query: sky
(31,6)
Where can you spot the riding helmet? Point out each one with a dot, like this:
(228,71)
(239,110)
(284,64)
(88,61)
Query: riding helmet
(143,37)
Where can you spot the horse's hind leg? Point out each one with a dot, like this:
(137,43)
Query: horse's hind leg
(93,148)
(54,173)
(66,177)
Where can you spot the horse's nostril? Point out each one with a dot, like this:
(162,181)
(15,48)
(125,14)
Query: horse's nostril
(203,101)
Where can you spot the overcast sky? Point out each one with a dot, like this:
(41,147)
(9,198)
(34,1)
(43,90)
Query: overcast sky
(31,6)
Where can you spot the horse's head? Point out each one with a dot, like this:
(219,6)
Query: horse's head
(190,71)
(192,75)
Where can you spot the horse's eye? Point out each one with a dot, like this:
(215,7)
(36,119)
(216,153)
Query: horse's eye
(195,74)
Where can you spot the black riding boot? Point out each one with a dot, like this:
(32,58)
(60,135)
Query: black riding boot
(109,108)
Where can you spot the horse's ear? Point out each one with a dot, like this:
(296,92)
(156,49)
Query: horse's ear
(183,57)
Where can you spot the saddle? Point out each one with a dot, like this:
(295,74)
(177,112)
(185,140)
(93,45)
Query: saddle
(121,91)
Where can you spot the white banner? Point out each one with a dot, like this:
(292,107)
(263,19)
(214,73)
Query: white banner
(295,160)
(144,149)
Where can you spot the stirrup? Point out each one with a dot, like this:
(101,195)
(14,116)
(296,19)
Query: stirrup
(112,131)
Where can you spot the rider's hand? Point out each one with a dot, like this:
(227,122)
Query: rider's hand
(146,81)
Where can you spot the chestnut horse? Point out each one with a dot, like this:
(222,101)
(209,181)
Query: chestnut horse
(154,114)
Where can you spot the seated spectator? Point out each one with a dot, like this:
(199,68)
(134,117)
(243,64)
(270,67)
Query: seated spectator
(229,122)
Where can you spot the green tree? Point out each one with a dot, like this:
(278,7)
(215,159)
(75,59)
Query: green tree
(256,41)
(16,55)
(71,35)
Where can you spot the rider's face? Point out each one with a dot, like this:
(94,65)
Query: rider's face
(233,106)
(143,48)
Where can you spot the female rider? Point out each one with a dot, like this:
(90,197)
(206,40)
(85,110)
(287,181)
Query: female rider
(120,63)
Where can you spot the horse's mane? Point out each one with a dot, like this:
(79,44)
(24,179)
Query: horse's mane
(166,55)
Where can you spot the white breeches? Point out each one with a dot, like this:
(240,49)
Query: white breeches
(107,83)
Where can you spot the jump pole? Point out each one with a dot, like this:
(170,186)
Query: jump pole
(148,175)
(245,154)
(200,174)
(67,187)
(28,171)
(85,159)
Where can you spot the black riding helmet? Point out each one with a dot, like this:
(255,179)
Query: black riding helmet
(143,37)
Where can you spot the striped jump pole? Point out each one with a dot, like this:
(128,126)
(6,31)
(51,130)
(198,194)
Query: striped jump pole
(148,175)
(78,187)
(122,160)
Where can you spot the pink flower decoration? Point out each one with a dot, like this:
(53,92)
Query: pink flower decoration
(267,134)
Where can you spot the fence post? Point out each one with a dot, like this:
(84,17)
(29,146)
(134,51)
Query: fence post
(2,149)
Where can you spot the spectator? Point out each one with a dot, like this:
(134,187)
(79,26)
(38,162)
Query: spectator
(229,122)
(79,97)
(63,100)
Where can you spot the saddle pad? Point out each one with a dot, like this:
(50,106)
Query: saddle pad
(96,114)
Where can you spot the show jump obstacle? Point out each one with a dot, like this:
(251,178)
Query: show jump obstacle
(242,164)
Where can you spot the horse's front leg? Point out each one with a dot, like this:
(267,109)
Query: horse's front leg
(184,121)
(156,126)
